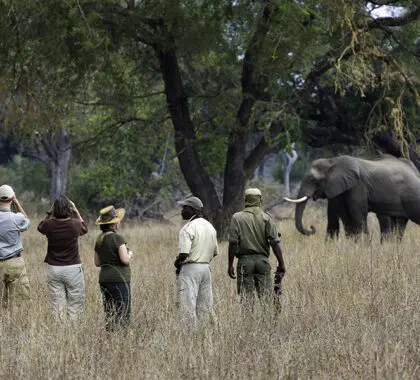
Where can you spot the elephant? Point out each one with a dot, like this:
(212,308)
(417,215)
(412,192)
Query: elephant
(353,186)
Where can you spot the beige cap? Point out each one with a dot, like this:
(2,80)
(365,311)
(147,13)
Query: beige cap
(253,191)
(6,193)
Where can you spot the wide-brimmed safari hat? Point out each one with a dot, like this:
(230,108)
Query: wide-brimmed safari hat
(6,193)
(110,215)
(193,202)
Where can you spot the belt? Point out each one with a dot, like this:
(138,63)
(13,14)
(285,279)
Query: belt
(192,262)
(12,257)
(252,254)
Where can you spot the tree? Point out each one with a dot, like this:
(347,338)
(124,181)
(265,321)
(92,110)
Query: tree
(288,160)
(220,64)
(54,151)
(240,163)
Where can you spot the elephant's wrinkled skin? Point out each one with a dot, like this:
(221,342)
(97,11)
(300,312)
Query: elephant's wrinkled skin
(387,186)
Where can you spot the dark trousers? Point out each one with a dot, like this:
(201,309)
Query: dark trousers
(253,274)
(117,303)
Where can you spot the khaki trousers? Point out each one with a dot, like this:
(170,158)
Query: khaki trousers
(15,282)
(195,293)
(67,289)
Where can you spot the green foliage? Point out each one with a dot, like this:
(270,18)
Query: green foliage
(26,176)
(91,67)
(298,170)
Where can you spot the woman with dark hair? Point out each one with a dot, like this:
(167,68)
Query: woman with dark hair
(113,257)
(64,268)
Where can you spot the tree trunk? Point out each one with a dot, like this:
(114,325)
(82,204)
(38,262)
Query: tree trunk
(53,149)
(59,169)
(240,165)
(288,162)
(194,173)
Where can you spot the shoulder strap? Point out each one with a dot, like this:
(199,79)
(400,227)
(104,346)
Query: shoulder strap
(102,236)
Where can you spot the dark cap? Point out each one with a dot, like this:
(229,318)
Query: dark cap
(193,202)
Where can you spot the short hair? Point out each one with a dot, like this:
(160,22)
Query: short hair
(62,208)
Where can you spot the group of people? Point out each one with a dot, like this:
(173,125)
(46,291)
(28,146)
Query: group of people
(252,233)
(63,225)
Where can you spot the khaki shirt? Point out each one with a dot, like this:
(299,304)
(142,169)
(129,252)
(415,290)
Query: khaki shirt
(198,238)
(254,231)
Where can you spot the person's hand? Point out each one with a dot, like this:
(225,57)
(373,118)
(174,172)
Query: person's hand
(72,206)
(50,211)
(278,278)
(281,270)
(231,272)
(177,263)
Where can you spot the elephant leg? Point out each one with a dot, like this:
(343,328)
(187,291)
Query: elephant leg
(390,225)
(357,210)
(398,225)
(385,226)
(333,226)
(338,209)
(412,211)
(385,223)
(348,222)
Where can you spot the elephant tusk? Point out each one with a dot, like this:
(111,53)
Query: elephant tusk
(300,200)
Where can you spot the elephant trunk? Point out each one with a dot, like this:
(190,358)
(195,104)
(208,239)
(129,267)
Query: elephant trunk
(300,207)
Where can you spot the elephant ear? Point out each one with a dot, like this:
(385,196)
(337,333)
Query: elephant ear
(342,176)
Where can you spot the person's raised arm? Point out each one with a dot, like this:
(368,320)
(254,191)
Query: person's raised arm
(41,225)
(19,207)
(75,210)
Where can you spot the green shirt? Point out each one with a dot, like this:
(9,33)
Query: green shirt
(112,268)
(254,231)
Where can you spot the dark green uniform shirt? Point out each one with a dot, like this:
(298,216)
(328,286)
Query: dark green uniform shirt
(254,231)
(112,268)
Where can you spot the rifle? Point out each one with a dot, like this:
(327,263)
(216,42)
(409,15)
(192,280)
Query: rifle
(278,289)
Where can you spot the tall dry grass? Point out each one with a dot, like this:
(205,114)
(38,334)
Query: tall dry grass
(350,310)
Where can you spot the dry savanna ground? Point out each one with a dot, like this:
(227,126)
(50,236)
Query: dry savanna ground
(350,310)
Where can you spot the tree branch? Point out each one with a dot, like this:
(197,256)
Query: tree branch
(113,128)
(265,146)
(253,88)
(382,22)
(381,3)
(194,173)
(105,104)
(342,52)
(142,29)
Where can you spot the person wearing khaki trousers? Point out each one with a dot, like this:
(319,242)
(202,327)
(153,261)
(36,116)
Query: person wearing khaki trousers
(14,286)
(62,226)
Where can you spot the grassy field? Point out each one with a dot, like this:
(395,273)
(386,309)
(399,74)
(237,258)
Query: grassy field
(350,310)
